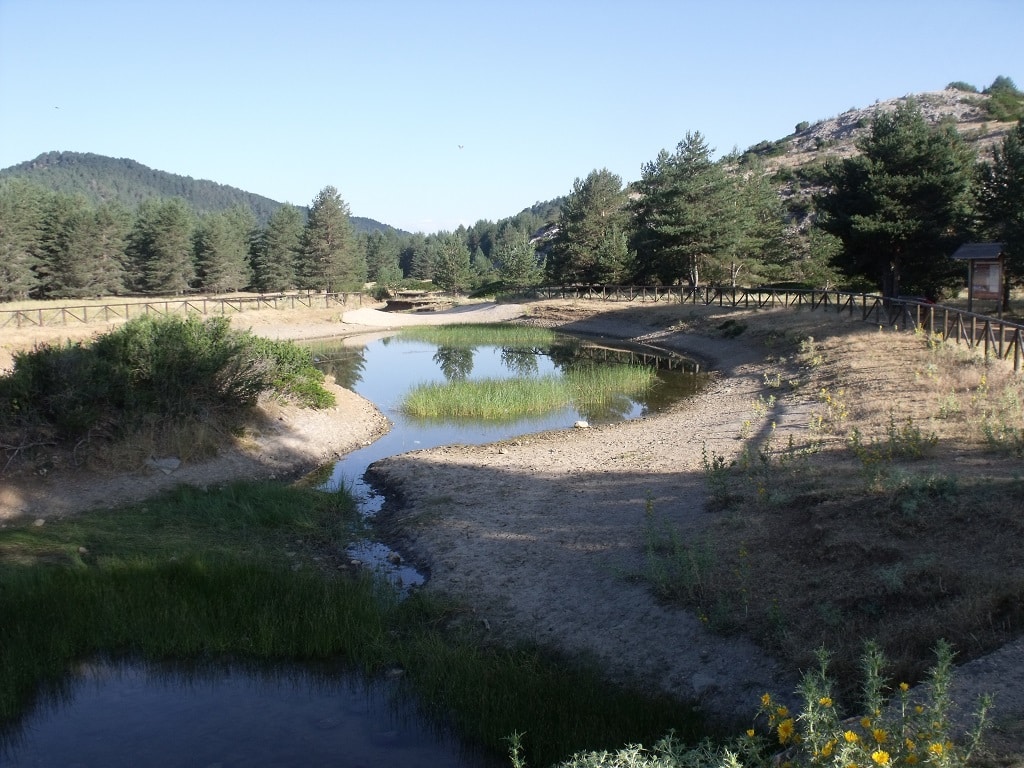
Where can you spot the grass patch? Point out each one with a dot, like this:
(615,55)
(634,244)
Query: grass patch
(589,389)
(250,572)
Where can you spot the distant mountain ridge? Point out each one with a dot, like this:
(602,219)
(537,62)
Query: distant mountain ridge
(102,179)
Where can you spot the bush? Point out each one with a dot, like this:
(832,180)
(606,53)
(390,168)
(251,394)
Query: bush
(152,368)
(960,85)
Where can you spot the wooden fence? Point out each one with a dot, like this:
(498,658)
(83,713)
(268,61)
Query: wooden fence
(96,313)
(997,338)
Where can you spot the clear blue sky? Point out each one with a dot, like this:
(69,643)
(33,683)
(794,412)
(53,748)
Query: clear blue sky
(376,97)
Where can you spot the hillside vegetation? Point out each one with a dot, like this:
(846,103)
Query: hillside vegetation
(100,179)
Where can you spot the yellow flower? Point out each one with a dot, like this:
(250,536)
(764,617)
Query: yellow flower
(782,712)
(865,722)
(911,746)
(826,751)
(919,709)
(911,759)
(904,687)
(785,730)
(881,757)
(879,735)
(851,737)
(750,733)
(825,701)
(936,749)
(766,700)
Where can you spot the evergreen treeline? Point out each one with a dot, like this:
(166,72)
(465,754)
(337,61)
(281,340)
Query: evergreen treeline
(887,218)
(59,245)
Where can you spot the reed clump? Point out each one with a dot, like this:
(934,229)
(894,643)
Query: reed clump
(587,389)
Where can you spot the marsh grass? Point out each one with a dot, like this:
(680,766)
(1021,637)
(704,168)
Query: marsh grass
(251,572)
(587,388)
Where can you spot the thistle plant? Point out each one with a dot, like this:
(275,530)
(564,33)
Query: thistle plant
(913,728)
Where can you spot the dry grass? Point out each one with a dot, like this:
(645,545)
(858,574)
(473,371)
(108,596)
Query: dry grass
(893,513)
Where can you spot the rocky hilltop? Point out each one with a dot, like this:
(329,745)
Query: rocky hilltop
(836,137)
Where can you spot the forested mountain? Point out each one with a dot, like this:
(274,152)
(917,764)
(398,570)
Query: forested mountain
(101,179)
(876,198)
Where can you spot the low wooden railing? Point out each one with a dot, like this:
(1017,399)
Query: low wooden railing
(996,337)
(105,313)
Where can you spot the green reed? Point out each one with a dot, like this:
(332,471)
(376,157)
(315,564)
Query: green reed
(586,388)
(249,572)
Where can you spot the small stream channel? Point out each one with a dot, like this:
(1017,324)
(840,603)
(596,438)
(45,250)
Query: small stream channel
(111,714)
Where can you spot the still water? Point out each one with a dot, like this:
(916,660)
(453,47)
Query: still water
(162,716)
(157,715)
(384,369)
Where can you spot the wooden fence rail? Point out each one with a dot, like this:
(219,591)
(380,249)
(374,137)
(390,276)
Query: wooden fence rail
(997,338)
(95,313)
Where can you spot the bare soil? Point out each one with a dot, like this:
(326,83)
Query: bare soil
(543,536)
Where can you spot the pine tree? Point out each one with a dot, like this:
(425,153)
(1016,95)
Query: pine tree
(278,250)
(84,249)
(1001,199)
(898,205)
(222,252)
(161,247)
(687,211)
(20,225)
(591,246)
(518,264)
(329,259)
(452,267)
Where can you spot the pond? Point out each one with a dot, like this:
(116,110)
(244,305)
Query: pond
(110,714)
(385,369)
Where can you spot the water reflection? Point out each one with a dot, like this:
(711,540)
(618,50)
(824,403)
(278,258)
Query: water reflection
(384,368)
(229,715)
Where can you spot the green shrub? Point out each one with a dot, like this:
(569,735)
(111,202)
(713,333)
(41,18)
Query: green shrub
(164,368)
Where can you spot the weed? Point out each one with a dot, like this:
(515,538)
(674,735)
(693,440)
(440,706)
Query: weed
(717,475)
(764,405)
(810,353)
(949,406)
(904,440)
(833,418)
(676,569)
(913,729)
